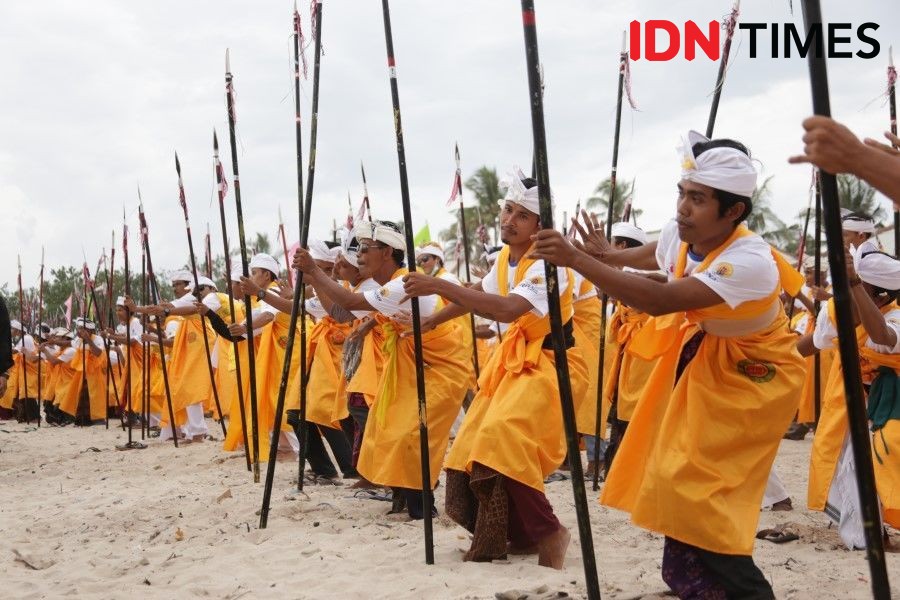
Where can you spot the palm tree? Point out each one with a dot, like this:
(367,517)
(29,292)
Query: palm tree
(858,196)
(482,210)
(600,200)
(262,244)
(763,220)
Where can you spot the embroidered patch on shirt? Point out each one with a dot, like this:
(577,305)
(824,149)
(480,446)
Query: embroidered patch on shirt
(757,371)
(724,269)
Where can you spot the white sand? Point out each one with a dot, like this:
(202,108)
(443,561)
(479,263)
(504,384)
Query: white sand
(106,525)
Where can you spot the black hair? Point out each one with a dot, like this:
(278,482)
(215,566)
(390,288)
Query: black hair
(727,199)
(629,242)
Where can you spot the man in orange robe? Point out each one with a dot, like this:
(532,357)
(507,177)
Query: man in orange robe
(512,436)
(695,460)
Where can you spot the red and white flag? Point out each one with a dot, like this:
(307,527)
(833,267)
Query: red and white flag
(454,191)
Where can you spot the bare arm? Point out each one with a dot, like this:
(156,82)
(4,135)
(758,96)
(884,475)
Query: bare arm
(805,346)
(871,318)
(505,309)
(647,295)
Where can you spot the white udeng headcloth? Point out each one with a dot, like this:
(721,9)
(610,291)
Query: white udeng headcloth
(237,271)
(725,169)
(628,230)
(517,193)
(264,261)
(432,249)
(857,224)
(319,250)
(877,269)
(380,233)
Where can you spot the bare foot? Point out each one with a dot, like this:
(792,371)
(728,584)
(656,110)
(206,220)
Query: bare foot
(552,549)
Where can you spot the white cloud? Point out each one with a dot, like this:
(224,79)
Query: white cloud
(97,97)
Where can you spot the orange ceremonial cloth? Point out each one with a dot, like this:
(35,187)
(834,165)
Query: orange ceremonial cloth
(586,327)
(390,453)
(629,372)
(84,366)
(514,424)
(807,410)
(694,462)
(326,394)
(227,374)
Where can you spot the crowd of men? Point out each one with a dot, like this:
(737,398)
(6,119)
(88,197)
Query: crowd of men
(710,339)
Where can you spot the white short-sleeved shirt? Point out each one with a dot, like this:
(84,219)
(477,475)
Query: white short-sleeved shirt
(892,318)
(366,285)
(69,353)
(186,300)
(386,299)
(742,272)
(212,302)
(315,309)
(533,286)
(28,342)
(135,332)
(825,335)
(448,276)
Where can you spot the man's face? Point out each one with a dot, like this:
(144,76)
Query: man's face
(517,224)
(327,267)
(261,277)
(372,256)
(854,238)
(428,263)
(203,291)
(345,270)
(121,315)
(698,213)
(180,288)
(236,290)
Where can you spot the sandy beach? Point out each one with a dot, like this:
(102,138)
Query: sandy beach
(81,519)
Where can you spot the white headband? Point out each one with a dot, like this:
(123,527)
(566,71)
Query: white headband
(387,235)
(877,269)
(14,324)
(264,261)
(319,250)
(857,224)
(627,230)
(726,169)
(206,282)
(432,250)
(516,192)
(182,276)
(237,271)
(120,301)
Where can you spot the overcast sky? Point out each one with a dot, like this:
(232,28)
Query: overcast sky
(97,95)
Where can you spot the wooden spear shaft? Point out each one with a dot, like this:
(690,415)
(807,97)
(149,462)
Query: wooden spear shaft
(427,497)
(251,353)
(604,302)
(235,345)
(190,238)
(847,346)
(298,306)
(557,332)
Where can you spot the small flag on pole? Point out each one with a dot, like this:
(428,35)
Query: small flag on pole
(423,237)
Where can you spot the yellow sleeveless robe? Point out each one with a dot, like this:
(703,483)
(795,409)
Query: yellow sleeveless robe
(390,453)
(72,377)
(514,425)
(188,370)
(695,460)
